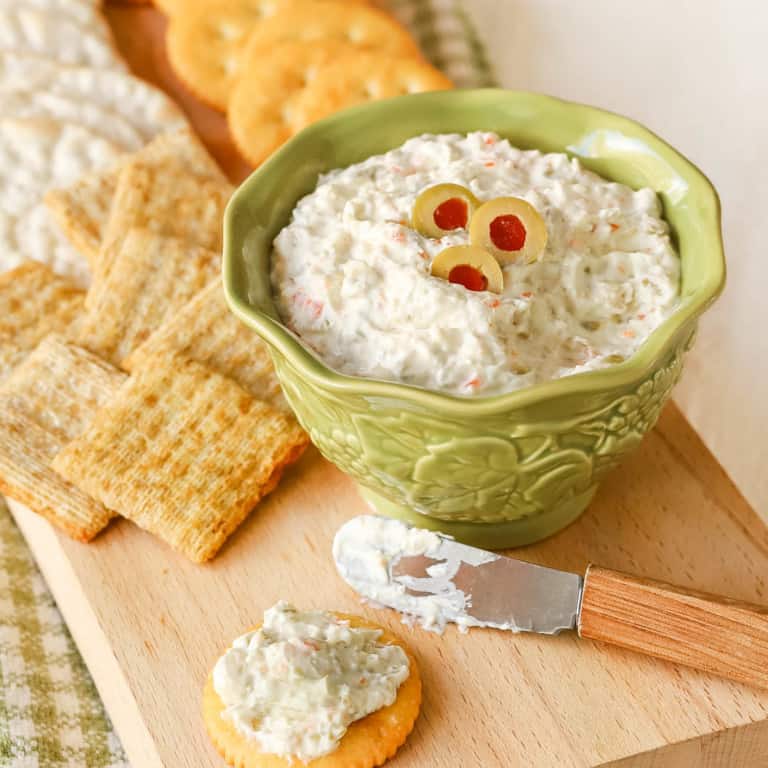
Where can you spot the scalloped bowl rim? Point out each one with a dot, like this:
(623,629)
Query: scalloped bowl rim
(632,371)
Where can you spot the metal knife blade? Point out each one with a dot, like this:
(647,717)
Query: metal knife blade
(429,575)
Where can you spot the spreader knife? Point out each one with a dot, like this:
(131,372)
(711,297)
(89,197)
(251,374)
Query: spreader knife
(433,579)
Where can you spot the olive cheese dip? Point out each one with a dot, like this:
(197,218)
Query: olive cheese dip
(296,683)
(351,276)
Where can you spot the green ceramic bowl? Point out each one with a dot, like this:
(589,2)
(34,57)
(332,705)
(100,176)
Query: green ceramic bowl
(493,471)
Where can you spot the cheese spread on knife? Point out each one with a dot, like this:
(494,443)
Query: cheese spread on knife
(367,547)
(297,682)
(357,275)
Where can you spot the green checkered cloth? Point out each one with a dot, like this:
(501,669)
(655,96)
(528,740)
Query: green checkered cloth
(51,715)
(447,37)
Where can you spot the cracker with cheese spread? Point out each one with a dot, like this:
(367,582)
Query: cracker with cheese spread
(49,399)
(183,452)
(366,742)
(151,277)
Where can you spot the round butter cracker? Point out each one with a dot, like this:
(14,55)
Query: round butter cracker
(259,111)
(361,27)
(285,53)
(368,742)
(206,42)
(361,77)
(172,7)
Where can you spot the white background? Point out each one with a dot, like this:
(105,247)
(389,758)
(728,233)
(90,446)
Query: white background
(696,72)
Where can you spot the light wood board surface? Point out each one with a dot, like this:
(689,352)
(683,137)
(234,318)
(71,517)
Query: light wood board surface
(150,624)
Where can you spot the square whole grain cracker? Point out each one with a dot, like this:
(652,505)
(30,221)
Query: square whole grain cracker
(166,195)
(183,452)
(34,301)
(47,401)
(205,330)
(152,276)
(82,210)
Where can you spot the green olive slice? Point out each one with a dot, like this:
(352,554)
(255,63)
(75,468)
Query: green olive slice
(442,209)
(470,266)
(510,228)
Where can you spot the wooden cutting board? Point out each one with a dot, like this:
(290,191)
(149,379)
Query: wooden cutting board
(150,624)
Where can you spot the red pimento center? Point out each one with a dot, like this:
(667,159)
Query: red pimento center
(507,233)
(468,276)
(452,213)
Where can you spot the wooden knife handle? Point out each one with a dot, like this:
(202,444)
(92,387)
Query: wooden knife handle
(710,633)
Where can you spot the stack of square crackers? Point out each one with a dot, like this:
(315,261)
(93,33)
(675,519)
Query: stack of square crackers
(275,66)
(142,397)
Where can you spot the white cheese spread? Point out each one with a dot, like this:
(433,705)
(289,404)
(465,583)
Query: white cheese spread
(352,278)
(295,684)
(365,550)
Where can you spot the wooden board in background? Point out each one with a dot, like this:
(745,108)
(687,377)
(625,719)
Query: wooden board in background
(150,624)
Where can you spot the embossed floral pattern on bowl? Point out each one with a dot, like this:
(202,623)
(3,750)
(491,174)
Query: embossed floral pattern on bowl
(496,471)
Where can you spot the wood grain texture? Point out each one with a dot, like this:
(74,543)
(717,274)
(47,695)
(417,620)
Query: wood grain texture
(706,632)
(744,747)
(151,625)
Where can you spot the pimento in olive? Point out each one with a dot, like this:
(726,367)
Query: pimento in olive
(442,209)
(510,228)
(470,266)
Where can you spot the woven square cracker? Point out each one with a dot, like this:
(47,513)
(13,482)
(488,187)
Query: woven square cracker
(183,452)
(151,277)
(82,210)
(205,330)
(48,400)
(167,197)
(34,301)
